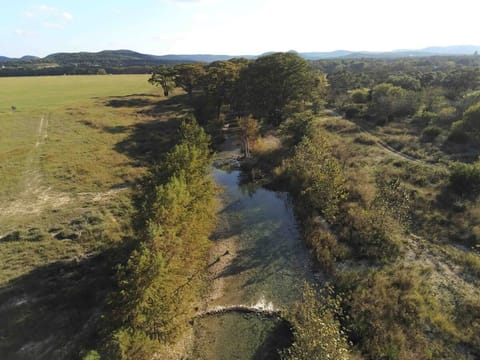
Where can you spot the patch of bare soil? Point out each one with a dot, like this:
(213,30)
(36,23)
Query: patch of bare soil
(445,276)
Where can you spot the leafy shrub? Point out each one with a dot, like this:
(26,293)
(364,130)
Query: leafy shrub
(91,355)
(425,118)
(447,114)
(360,96)
(405,81)
(353,111)
(430,133)
(465,179)
(324,244)
(316,175)
(471,120)
(389,102)
(368,233)
(457,132)
(470,99)
(317,333)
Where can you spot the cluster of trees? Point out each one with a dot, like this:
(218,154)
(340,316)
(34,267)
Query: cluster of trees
(162,278)
(438,94)
(84,63)
(270,88)
(28,69)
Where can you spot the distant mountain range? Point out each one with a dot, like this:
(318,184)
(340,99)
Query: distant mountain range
(132,58)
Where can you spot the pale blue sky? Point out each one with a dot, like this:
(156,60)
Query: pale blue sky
(233,26)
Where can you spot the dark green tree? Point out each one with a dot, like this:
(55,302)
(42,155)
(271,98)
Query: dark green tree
(189,76)
(219,83)
(163,76)
(274,86)
(390,101)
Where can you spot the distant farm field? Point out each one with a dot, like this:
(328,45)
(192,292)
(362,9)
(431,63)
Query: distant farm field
(46,92)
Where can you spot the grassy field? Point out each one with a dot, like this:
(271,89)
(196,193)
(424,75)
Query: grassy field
(45,93)
(70,149)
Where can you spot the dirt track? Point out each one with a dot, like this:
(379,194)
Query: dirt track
(35,196)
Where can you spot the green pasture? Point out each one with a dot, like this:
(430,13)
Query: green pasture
(71,149)
(80,161)
(44,93)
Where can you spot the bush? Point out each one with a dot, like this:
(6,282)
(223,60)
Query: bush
(447,114)
(316,175)
(317,333)
(364,139)
(465,179)
(425,118)
(389,102)
(324,245)
(369,235)
(430,133)
(91,355)
(458,133)
(353,111)
(360,96)
(471,119)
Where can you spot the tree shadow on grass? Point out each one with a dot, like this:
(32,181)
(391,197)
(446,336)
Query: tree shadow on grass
(130,102)
(54,311)
(152,105)
(177,105)
(151,139)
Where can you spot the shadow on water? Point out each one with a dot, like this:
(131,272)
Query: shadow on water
(55,310)
(241,336)
(280,339)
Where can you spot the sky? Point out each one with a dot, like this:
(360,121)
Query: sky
(233,27)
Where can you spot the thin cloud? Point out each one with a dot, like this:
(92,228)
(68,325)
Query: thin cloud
(49,16)
(23,33)
(51,25)
(67,16)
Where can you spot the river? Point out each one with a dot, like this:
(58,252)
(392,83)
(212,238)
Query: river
(262,265)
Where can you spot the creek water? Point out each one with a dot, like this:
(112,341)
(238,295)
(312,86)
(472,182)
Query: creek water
(265,264)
